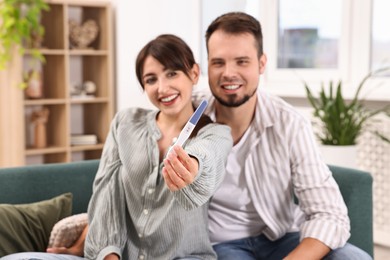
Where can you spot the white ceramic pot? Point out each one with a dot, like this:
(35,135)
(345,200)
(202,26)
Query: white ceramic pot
(340,155)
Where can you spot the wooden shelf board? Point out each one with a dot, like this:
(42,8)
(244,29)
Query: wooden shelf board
(78,148)
(85,3)
(49,101)
(46,51)
(88,100)
(48,150)
(86,52)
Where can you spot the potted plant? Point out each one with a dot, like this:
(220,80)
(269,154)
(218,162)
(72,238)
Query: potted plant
(342,121)
(20,28)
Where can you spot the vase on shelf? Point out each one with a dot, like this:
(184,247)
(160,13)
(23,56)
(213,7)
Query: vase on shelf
(34,88)
(39,119)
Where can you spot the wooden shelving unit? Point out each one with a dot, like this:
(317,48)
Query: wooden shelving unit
(65,66)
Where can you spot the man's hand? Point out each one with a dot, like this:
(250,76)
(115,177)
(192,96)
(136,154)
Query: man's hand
(310,249)
(76,249)
(179,169)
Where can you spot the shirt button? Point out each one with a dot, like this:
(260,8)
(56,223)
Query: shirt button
(150,191)
(146,212)
(141,257)
(139,235)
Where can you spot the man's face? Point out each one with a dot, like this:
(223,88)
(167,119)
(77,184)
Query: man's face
(233,67)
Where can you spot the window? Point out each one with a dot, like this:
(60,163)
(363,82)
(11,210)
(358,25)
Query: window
(308,36)
(380,42)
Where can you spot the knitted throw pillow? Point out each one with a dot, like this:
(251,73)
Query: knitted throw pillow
(66,231)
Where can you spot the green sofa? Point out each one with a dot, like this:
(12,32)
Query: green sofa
(35,183)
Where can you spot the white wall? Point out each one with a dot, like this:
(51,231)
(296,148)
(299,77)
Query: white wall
(137,22)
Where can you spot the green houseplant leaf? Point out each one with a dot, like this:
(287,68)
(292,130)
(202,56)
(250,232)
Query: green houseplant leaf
(20,26)
(341,121)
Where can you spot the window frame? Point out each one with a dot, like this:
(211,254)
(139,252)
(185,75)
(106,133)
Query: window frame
(275,79)
(354,61)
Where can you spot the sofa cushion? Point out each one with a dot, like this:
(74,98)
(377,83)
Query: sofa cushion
(27,227)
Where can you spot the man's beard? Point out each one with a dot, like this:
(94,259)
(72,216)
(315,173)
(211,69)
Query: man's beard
(232,99)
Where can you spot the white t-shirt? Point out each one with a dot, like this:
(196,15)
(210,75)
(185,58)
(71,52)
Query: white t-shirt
(231,212)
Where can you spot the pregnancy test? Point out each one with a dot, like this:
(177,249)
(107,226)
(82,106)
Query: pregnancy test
(190,125)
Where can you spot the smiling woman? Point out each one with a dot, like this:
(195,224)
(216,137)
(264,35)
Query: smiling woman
(154,185)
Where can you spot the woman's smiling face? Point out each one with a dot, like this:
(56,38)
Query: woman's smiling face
(169,90)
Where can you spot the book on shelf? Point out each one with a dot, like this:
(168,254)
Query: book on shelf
(83,139)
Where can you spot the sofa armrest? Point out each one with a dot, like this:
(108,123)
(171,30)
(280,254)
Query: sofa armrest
(356,188)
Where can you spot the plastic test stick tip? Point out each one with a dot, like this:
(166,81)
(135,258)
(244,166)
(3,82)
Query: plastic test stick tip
(190,125)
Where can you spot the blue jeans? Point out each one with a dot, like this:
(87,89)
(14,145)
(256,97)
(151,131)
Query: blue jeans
(261,247)
(40,256)
(48,256)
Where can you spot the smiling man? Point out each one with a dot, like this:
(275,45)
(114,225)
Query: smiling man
(253,214)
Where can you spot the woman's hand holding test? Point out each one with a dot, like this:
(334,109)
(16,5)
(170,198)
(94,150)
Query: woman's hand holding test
(179,169)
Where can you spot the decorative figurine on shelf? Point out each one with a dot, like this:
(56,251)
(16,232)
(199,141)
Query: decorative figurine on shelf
(85,90)
(39,118)
(81,36)
(89,87)
(34,88)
